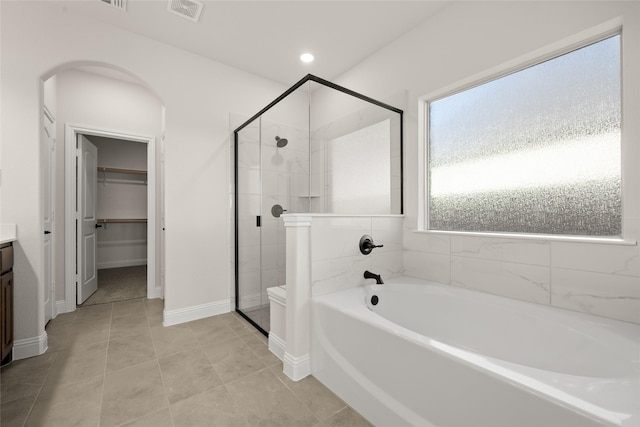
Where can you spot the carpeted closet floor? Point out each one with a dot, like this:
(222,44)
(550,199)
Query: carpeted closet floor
(119,284)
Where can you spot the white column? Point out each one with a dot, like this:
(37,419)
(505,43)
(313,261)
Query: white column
(297,364)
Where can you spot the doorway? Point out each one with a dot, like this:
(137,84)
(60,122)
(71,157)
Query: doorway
(48,162)
(118,221)
(114,212)
(115,104)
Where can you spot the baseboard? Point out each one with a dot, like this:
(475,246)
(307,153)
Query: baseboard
(61,307)
(297,367)
(188,314)
(30,347)
(156,293)
(121,263)
(277,345)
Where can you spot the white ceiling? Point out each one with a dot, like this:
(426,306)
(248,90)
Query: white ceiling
(266,38)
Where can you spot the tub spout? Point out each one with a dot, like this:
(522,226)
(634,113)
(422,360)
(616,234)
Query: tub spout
(370,275)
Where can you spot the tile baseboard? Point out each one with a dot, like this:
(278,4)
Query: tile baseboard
(277,345)
(188,314)
(30,347)
(297,367)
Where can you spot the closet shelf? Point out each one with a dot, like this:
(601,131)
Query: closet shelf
(117,170)
(120,220)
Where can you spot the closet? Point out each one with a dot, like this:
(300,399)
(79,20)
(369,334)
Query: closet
(121,208)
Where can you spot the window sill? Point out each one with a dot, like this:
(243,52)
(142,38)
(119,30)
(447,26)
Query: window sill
(543,237)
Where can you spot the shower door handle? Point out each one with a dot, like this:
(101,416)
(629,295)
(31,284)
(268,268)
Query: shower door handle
(258,221)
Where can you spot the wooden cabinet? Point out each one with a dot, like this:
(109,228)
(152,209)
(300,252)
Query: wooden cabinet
(6,302)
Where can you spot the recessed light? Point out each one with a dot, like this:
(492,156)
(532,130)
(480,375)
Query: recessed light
(306,57)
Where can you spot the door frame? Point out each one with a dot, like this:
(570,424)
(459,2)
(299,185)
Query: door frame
(48,115)
(71,132)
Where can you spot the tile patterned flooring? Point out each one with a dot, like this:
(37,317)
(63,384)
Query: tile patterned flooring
(116,365)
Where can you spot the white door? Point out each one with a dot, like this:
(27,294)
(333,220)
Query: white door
(87,282)
(47,141)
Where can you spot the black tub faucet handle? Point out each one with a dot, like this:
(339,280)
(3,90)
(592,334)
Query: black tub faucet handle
(367,245)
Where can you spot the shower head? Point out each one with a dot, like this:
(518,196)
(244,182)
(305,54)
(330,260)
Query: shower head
(281,142)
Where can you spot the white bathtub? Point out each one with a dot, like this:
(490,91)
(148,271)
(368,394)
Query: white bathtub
(432,355)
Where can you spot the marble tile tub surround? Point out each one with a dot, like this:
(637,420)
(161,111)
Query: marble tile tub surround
(323,256)
(599,279)
(336,261)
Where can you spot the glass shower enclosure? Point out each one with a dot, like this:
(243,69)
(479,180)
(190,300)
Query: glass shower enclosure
(317,148)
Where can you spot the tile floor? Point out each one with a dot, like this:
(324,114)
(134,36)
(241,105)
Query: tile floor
(116,365)
(260,314)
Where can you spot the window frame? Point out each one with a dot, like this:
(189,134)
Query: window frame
(577,41)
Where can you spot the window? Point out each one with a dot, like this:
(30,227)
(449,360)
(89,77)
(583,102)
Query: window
(536,151)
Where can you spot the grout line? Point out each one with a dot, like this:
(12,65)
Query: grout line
(235,403)
(157,358)
(164,388)
(141,417)
(249,334)
(104,374)
(33,404)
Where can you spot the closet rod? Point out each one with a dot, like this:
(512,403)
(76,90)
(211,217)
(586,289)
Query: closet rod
(119,220)
(103,169)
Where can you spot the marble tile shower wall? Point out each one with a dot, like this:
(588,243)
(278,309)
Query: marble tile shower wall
(285,177)
(321,136)
(599,279)
(267,175)
(336,261)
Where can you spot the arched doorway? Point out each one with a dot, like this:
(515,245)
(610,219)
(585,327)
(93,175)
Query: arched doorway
(99,113)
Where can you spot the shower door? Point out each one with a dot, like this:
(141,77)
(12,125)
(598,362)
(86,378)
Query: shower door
(262,181)
(248,204)
(272,179)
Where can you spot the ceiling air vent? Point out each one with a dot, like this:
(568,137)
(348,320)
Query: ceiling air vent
(190,9)
(118,4)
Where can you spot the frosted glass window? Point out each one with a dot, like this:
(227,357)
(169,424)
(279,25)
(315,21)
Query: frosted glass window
(536,151)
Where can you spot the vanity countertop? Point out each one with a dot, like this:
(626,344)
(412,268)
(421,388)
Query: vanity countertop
(8,233)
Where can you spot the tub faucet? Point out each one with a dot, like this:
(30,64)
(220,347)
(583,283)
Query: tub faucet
(370,275)
(366,244)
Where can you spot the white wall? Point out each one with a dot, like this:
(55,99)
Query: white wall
(468,38)
(119,153)
(40,38)
(103,103)
(50,96)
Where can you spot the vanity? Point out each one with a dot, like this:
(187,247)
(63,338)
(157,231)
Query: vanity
(7,237)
